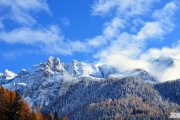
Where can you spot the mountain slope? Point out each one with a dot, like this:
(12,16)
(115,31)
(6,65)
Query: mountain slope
(169,90)
(111,98)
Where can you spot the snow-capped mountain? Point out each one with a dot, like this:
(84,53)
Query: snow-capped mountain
(6,76)
(45,81)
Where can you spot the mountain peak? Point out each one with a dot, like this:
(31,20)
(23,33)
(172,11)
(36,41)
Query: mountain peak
(9,74)
(163,62)
(53,64)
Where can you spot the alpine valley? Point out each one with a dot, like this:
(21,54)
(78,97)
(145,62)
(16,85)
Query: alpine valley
(82,91)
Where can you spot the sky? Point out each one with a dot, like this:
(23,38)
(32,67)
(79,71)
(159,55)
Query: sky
(121,33)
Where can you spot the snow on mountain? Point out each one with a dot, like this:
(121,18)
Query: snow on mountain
(1,74)
(7,76)
(137,73)
(45,81)
(76,69)
(162,63)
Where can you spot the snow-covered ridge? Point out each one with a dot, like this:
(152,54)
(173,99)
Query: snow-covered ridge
(45,81)
(75,69)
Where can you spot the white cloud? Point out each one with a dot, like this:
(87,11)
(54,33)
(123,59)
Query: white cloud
(165,16)
(103,6)
(165,51)
(167,11)
(48,40)
(130,45)
(126,52)
(27,35)
(32,5)
(19,10)
(122,7)
(113,28)
(150,30)
(110,31)
(171,73)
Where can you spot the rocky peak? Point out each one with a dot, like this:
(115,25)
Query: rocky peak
(163,62)
(9,74)
(74,67)
(75,62)
(23,72)
(54,64)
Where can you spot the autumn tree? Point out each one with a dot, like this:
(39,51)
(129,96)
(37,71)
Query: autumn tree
(13,107)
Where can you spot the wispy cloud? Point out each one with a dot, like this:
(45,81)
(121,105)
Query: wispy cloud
(166,74)
(48,40)
(166,15)
(110,30)
(20,11)
(65,21)
(122,8)
(26,35)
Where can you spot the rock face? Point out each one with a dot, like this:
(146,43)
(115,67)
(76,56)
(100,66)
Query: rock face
(54,64)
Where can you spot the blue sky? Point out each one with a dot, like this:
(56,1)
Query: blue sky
(120,32)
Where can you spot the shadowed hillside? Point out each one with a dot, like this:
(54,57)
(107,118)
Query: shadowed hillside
(128,98)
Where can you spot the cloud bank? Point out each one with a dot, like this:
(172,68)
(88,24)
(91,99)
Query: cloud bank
(128,50)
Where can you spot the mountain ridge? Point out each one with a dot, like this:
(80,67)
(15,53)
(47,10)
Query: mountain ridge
(67,88)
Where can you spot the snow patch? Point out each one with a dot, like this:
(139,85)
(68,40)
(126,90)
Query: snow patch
(23,84)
